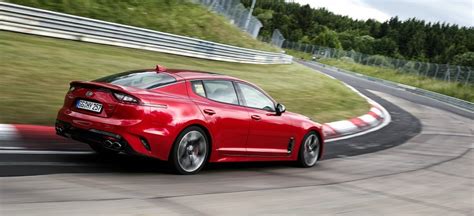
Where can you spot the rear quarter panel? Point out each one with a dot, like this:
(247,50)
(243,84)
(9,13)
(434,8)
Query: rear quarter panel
(169,112)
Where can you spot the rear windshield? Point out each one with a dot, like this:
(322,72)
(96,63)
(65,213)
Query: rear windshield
(141,79)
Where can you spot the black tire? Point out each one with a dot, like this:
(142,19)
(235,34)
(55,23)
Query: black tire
(174,159)
(101,150)
(303,161)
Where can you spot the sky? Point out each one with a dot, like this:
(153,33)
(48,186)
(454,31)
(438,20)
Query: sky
(460,12)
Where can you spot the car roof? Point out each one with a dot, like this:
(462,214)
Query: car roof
(194,74)
(181,74)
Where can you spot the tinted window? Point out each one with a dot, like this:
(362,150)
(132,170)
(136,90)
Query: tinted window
(221,90)
(198,88)
(143,79)
(255,98)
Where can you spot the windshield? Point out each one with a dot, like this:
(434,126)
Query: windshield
(141,79)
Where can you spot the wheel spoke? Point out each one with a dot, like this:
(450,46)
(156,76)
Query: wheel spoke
(314,144)
(181,151)
(186,162)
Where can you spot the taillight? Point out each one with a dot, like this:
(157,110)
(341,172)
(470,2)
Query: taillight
(125,98)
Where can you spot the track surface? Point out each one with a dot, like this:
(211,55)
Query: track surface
(426,168)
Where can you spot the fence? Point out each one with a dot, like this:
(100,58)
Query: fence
(47,23)
(236,13)
(445,72)
(277,38)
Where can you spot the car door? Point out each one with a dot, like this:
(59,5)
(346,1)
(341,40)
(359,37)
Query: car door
(228,121)
(270,134)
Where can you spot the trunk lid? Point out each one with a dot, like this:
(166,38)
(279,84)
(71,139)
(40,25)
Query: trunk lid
(87,97)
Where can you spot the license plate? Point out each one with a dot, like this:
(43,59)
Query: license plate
(88,105)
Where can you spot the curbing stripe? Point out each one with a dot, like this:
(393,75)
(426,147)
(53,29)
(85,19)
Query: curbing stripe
(375,119)
(8,132)
(329,131)
(342,127)
(376,111)
(369,120)
(359,123)
(378,117)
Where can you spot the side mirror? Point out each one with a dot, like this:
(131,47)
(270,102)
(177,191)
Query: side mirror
(280,108)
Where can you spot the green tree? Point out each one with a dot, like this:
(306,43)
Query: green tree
(364,44)
(410,39)
(305,39)
(347,39)
(328,38)
(385,46)
(465,59)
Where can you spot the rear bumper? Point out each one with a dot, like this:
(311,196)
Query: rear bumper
(134,135)
(105,139)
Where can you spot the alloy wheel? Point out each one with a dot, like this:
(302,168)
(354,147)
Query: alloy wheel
(192,151)
(311,150)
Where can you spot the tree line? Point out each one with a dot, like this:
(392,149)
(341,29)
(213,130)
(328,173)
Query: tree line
(411,39)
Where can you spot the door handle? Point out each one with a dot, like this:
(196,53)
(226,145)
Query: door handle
(256,117)
(209,111)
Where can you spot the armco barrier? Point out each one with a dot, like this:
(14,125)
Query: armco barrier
(29,20)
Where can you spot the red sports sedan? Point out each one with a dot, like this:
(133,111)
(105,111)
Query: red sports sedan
(188,118)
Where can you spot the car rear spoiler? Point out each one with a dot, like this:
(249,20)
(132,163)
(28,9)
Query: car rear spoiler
(98,85)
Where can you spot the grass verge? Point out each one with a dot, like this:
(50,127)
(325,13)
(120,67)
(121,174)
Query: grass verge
(36,71)
(453,89)
(173,16)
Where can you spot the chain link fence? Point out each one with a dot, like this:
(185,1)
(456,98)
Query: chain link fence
(277,38)
(235,12)
(445,72)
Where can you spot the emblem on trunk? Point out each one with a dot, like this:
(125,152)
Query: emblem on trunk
(89,93)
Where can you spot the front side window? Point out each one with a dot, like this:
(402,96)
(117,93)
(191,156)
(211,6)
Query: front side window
(255,98)
(221,90)
(139,79)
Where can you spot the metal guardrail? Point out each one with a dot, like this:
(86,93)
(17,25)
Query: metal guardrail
(35,21)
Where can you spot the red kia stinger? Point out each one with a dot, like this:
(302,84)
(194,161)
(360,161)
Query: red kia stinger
(188,118)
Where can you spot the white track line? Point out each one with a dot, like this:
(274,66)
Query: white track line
(46,152)
(11,148)
(39,163)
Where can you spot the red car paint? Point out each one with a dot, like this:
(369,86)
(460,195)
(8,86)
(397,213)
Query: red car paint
(237,133)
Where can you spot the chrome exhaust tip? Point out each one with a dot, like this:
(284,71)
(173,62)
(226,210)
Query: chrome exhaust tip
(59,129)
(117,145)
(108,144)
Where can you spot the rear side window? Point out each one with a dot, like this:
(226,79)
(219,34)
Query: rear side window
(142,79)
(221,91)
(198,88)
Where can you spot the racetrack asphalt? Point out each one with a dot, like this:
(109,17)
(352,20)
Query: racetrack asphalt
(421,163)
